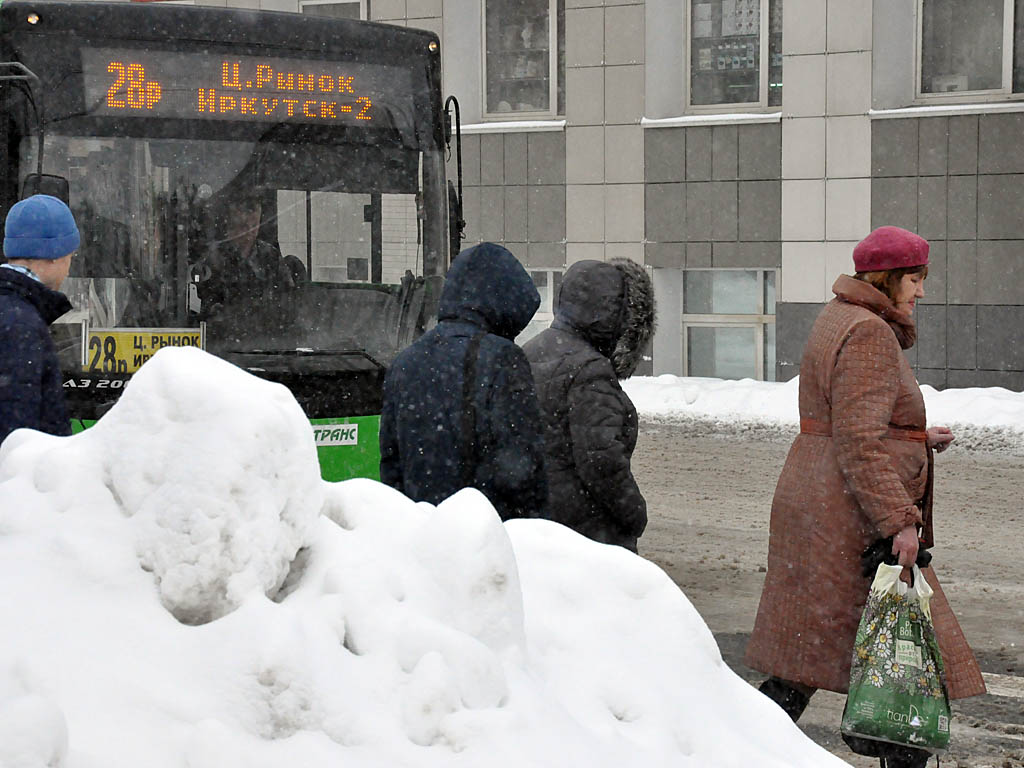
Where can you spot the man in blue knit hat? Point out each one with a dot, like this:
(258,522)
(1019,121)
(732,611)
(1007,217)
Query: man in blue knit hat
(40,237)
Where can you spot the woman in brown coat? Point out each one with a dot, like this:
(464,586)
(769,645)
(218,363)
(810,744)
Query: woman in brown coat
(859,471)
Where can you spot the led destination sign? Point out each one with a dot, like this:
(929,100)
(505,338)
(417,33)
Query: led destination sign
(137,83)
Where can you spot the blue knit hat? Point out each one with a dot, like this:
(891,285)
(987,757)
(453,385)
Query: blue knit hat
(40,227)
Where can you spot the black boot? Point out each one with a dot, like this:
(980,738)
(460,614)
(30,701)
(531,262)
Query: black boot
(792,701)
(905,757)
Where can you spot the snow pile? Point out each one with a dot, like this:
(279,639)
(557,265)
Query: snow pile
(667,396)
(212,518)
(983,418)
(174,597)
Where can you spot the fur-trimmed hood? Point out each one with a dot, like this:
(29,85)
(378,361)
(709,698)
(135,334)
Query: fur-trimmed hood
(639,318)
(610,304)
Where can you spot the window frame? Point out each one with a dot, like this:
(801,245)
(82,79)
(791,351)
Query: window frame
(1003,93)
(362,5)
(757,321)
(764,80)
(552,111)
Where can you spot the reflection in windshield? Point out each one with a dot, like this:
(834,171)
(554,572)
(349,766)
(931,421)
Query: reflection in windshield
(274,248)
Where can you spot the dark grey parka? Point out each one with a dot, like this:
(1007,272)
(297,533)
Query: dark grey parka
(603,321)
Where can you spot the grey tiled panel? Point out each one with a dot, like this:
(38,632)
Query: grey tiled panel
(963,144)
(935,285)
(962,272)
(1013,380)
(933,377)
(545,214)
(894,201)
(962,208)
(698,255)
(746,255)
(470,162)
(793,325)
(724,254)
(515,214)
(1001,273)
(723,210)
(423,9)
(546,158)
(999,347)
(760,210)
(932,146)
(961,336)
(471,212)
(665,212)
(931,336)
(515,158)
(492,216)
(724,152)
(911,355)
(894,147)
(699,211)
(931,207)
(760,151)
(519,250)
(698,154)
(545,254)
(1001,143)
(492,159)
(1000,213)
(665,255)
(665,155)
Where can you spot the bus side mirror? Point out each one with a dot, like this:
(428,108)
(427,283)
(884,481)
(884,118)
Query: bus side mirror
(46,184)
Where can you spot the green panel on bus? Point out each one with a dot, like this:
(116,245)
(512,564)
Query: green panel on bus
(346,447)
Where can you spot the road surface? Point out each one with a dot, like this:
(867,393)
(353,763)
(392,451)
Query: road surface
(709,498)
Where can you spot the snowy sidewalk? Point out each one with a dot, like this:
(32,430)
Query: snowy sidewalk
(986,419)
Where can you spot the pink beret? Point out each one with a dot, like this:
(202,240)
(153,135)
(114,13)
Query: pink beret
(890,248)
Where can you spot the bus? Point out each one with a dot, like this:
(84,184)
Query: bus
(267,186)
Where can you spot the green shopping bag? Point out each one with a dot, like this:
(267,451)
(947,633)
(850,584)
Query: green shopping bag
(897,682)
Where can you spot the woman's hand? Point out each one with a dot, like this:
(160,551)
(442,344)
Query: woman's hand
(939,438)
(904,546)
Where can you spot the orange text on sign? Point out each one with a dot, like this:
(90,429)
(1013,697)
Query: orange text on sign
(130,89)
(314,109)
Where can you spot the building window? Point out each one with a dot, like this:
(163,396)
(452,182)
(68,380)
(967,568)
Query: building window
(524,61)
(336,9)
(548,282)
(735,59)
(729,323)
(970,48)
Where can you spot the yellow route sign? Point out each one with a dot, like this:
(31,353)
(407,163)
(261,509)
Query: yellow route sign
(124,350)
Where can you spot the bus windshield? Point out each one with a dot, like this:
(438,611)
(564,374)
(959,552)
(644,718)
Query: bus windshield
(274,248)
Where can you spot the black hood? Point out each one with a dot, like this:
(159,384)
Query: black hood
(611,305)
(487,286)
(590,302)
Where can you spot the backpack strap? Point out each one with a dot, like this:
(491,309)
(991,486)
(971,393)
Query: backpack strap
(468,442)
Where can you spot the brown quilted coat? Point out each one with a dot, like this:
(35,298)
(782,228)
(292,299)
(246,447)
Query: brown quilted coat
(852,476)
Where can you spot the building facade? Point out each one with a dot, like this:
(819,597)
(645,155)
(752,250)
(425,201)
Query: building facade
(739,149)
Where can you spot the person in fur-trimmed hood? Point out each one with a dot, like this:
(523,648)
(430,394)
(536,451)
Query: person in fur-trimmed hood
(604,319)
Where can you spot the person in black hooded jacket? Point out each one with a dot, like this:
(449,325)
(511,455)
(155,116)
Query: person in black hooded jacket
(40,237)
(603,321)
(460,409)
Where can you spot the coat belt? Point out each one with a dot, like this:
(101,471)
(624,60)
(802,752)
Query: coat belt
(893,431)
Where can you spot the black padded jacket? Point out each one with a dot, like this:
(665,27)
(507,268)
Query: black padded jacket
(590,423)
